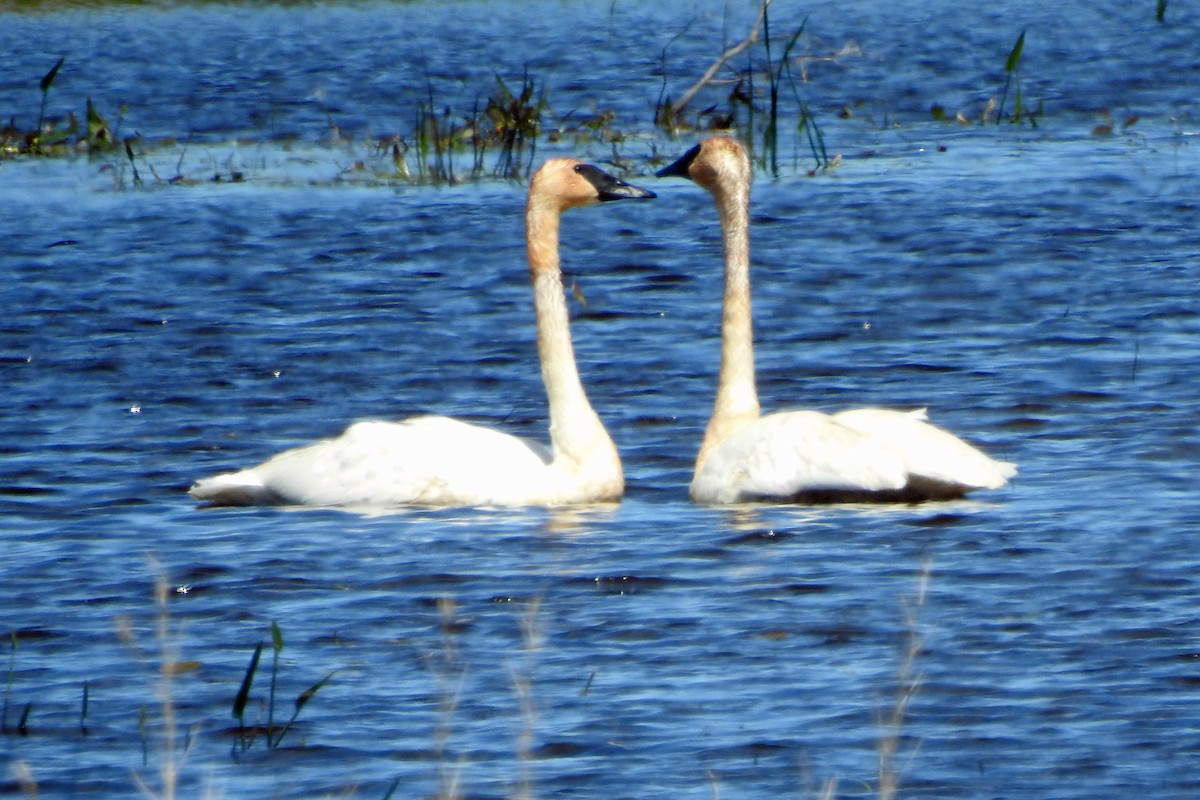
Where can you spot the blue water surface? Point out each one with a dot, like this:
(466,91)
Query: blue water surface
(1032,285)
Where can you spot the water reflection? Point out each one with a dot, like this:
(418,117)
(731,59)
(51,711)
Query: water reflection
(559,521)
(579,521)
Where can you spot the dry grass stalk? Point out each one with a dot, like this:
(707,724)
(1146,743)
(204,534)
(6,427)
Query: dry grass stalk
(450,676)
(23,775)
(169,666)
(908,683)
(531,636)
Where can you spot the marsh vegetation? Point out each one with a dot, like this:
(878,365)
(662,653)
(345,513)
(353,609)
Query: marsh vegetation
(761,89)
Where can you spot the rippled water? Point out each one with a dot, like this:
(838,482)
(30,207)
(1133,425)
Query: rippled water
(1035,288)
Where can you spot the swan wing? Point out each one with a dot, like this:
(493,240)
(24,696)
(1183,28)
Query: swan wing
(429,460)
(789,454)
(931,454)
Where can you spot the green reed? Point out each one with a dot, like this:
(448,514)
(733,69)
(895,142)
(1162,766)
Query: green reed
(23,722)
(273,735)
(45,84)
(1010,73)
(243,696)
(22,727)
(53,136)
(434,137)
(516,122)
(775,73)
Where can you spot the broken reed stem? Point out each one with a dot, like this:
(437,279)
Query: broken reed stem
(729,53)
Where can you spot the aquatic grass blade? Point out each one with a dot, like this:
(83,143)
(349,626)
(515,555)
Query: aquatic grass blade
(143,736)
(98,132)
(1014,56)
(808,122)
(239,702)
(308,694)
(300,702)
(770,133)
(775,77)
(276,648)
(137,178)
(45,84)
(816,139)
(48,79)
(243,695)
(1010,68)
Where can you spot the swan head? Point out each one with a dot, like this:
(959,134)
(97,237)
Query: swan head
(716,164)
(571,183)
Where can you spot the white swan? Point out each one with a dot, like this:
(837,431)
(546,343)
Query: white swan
(437,461)
(867,454)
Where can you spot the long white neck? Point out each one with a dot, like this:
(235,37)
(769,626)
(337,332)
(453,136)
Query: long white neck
(737,398)
(581,444)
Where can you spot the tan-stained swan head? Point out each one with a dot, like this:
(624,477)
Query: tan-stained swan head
(571,183)
(718,164)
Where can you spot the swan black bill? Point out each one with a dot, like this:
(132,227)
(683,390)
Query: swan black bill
(610,188)
(680,168)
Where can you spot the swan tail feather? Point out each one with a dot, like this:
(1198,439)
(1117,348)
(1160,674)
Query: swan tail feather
(936,459)
(233,489)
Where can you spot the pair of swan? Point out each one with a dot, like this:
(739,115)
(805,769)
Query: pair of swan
(796,456)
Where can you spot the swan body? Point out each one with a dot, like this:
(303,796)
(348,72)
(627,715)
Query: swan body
(439,461)
(859,455)
(366,466)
